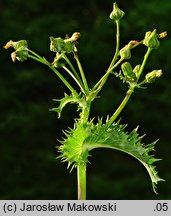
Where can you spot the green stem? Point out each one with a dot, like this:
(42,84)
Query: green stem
(38,58)
(72,68)
(82,73)
(81,181)
(144,62)
(130,91)
(119,109)
(117,45)
(75,79)
(102,81)
(64,80)
(112,65)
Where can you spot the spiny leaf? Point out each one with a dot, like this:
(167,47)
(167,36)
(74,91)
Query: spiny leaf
(71,149)
(68,99)
(116,138)
(82,139)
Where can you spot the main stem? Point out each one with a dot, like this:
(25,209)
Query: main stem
(81,179)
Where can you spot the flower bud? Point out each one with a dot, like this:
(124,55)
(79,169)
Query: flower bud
(136,70)
(20,44)
(117,13)
(62,45)
(151,40)
(128,71)
(56,44)
(16,45)
(21,54)
(125,52)
(150,77)
(21,50)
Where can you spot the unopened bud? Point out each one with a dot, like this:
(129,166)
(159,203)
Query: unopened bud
(21,50)
(63,45)
(21,54)
(20,44)
(136,70)
(125,52)
(117,13)
(128,71)
(56,44)
(151,40)
(150,77)
(16,44)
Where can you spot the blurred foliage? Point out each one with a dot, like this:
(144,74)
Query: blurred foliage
(28,132)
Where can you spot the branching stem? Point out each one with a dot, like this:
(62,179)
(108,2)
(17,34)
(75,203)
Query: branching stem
(130,91)
(38,58)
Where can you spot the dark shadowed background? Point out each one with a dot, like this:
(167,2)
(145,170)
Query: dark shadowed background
(29,132)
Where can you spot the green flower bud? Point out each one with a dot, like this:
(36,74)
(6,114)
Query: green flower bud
(21,50)
(57,44)
(125,52)
(136,70)
(62,45)
(150,77)
(21,54)
(128,71)
(20,44)
(151,40)
(16,45)
(117,13)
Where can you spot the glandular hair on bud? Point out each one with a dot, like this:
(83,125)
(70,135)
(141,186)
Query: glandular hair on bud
(150,77)
(117,13)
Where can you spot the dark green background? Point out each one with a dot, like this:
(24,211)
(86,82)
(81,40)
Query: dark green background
(28,131)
